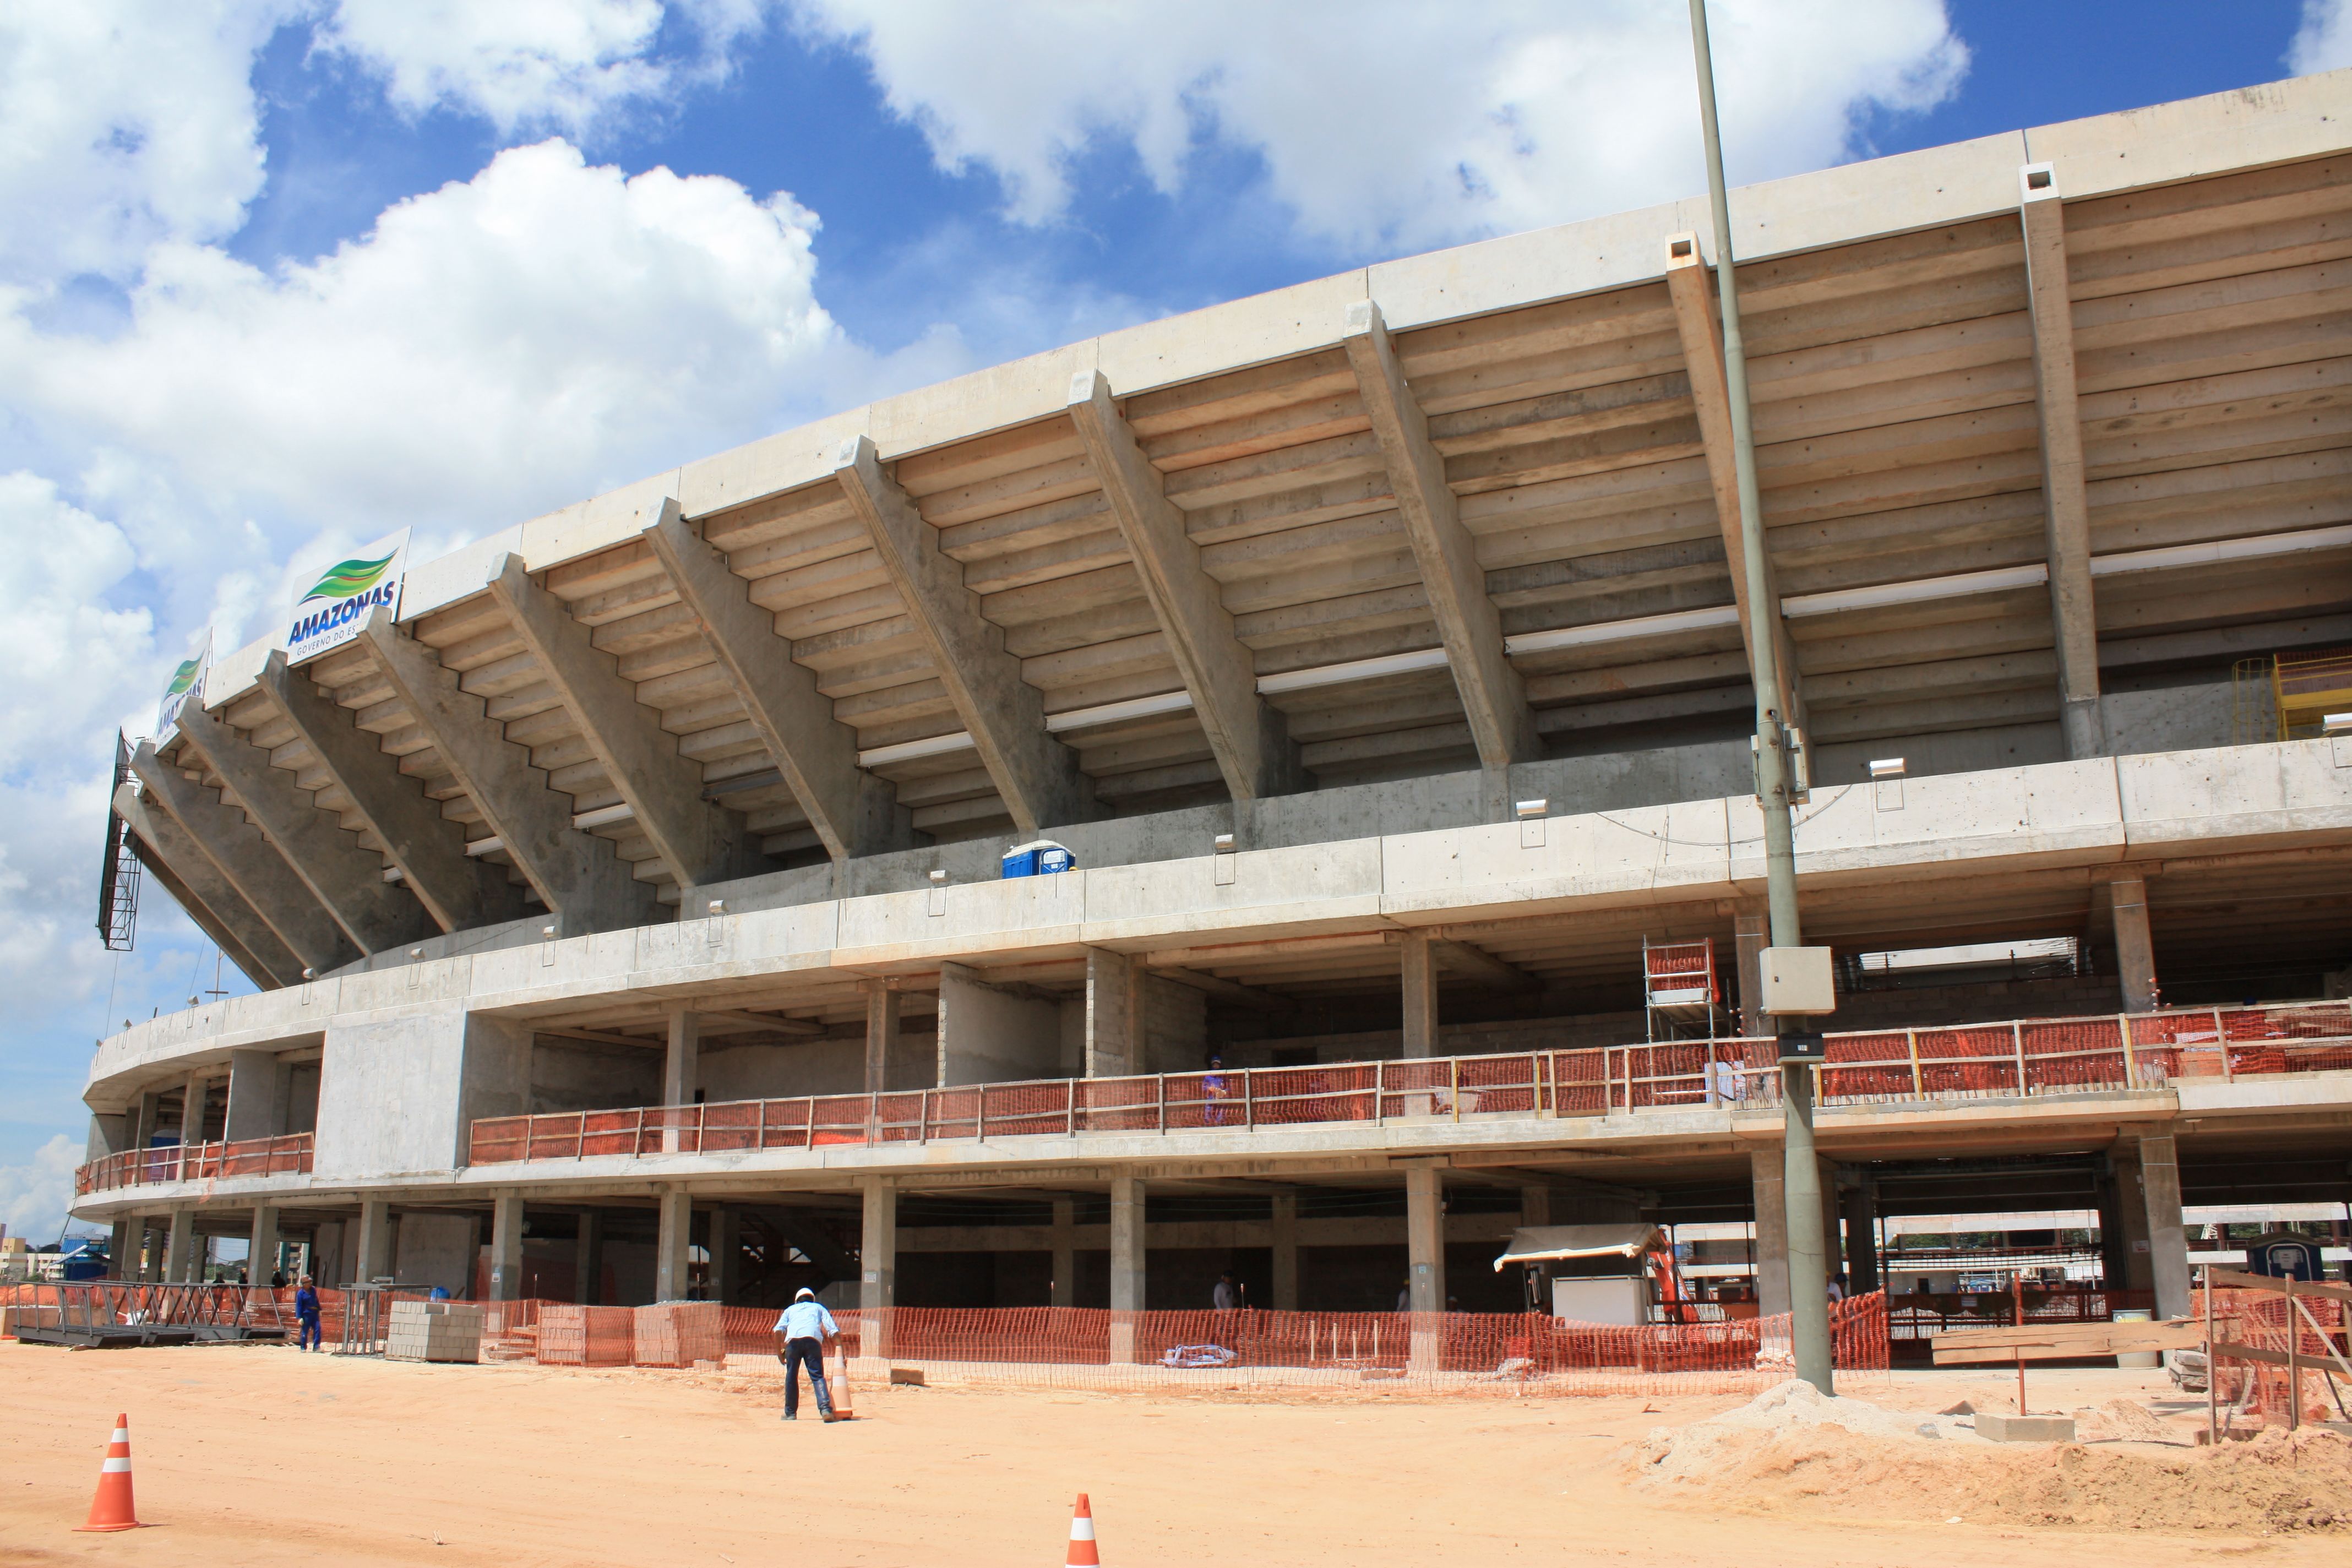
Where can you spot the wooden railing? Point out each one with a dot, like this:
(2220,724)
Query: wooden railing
(2021,1057)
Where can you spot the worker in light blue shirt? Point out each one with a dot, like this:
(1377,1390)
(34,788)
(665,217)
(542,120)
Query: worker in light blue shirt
(800,1336)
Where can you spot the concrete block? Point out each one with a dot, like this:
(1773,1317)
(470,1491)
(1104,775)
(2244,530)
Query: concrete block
(2025,1428)
(2280,121)
(1293,320)
(1521,270)
(597,523)
(996,399)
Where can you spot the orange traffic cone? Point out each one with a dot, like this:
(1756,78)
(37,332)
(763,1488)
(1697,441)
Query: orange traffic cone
(844,1404)
(1082,1537)
(110,1509)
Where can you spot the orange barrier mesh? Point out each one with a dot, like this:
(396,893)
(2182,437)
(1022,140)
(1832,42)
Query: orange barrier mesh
(196,1163)
(2263,1390)
(2051,1056)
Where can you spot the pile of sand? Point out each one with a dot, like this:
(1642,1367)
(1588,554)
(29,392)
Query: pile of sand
(1793,1451)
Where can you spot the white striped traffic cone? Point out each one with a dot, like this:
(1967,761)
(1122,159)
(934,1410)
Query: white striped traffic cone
(110,1509)
(1082,1537)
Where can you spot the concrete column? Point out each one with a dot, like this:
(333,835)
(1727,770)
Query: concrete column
(1424,1230)
(2115,1249)
(877,1262)
(1285,1252)
(192,1108)
(255,1108)
(1066,1253)
(261,1247)
(119,1264)
(370,1256)
(1861,1237)
(588,1260)
(154,1246)
(1834,1257)
(505,1246)
(2167,1242)
(990,1035)
(143,1122)
(1769,1182)
(2138,1271)
(681,1071)
(179,1251)
(673,1235)
(1114,1019)
(881,1033)
(726,1253)
(1751,935)
(1419,955)
(1127,1254)
(2135,954)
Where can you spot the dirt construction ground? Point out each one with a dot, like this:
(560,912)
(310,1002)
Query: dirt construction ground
(251,1454)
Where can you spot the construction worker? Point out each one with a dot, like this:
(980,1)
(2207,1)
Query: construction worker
(800,1336)
(306,1315)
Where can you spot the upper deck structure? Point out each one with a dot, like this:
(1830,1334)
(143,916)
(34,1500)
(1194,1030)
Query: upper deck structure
(1375,645)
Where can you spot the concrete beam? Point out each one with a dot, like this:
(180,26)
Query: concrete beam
(578,874)
(852,811)
(1419,967)
(1037,776)
(2127,903)
(2066,508)
(881,1033)
(1493,698)
(505,1246)
(2167,1242)
(249,862)
(1768,1176)
(1688,286)
(1463,958)
(459,892)
(202,888)
(1249,736)
(371,1250)
(878,1259)
(734,1023)
(1232,992)
(699,841)
(673,1234)
(345,878)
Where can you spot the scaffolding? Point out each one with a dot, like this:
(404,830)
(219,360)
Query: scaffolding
(1682,995)
(118,881)
(2305,688)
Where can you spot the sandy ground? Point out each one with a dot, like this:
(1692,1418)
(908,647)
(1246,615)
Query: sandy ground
(252,1454)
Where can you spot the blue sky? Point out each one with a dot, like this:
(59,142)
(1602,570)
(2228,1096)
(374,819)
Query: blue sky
(312,269)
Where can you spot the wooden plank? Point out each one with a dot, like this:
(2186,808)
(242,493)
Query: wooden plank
(2231,1280)
(2230,1350)
(2055,1339)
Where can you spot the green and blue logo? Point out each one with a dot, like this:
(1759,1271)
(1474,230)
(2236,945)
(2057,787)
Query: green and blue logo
(345,579)
(329,615)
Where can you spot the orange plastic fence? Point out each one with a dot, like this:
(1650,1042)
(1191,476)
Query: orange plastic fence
(1065,1347)
(2262,1390)
(2024,1057)
(196,1163)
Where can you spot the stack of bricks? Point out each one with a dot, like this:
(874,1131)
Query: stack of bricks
(586,1336)
(435,1330)
(679,1333)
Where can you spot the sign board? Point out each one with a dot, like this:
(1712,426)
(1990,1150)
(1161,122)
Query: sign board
(329,615)
(187,682)
(1805,1048)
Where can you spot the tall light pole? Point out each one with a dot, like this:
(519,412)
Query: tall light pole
(1801,1176)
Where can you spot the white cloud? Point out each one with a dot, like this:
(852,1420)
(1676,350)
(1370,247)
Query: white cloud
(122,124)
(531,63)
(70,660)
(34,1196)
(1394,121)
(2324,41)
(491,349)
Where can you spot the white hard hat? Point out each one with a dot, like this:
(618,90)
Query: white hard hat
(804,1294)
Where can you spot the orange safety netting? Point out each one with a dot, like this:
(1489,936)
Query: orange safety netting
(2313,1326)
(1972,1061)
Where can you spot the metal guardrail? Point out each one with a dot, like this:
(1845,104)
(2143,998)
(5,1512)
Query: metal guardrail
(2021,1057)
(196,1163)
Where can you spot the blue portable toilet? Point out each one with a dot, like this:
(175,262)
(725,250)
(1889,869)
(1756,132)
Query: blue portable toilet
(1038,857)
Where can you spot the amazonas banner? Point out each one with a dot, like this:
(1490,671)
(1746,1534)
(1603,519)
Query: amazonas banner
(187,681)
(329,615)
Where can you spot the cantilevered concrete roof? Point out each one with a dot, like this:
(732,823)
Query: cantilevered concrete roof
(1460,510)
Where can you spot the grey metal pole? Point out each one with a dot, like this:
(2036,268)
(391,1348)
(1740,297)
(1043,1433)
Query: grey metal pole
(1807,1266)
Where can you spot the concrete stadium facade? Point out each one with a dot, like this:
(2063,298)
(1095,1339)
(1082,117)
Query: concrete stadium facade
(1375,645)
